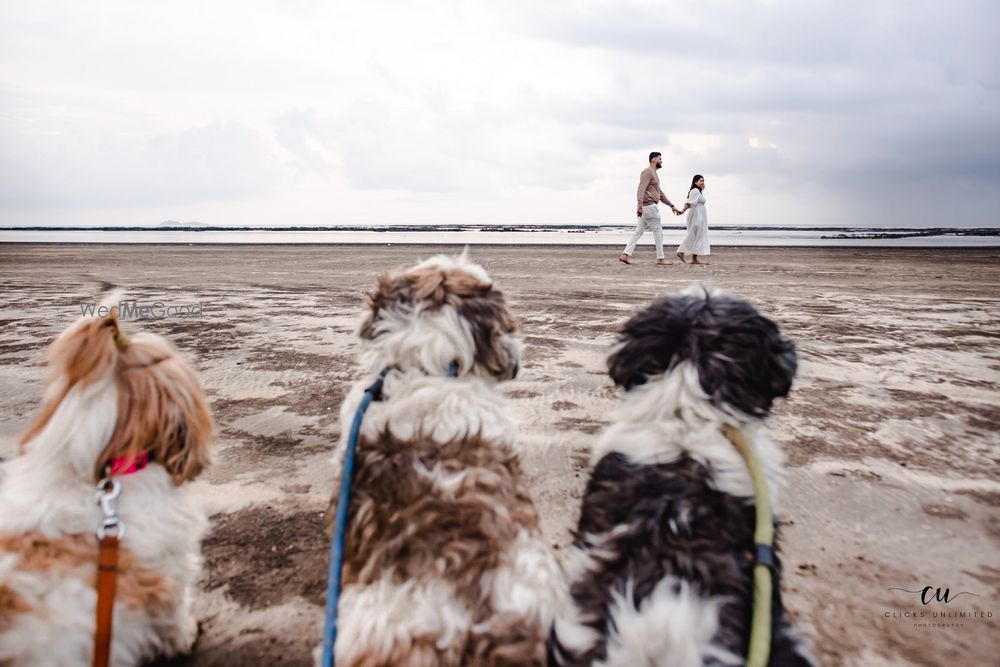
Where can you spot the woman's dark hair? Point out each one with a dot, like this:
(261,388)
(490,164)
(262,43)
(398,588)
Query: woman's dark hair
(697,177)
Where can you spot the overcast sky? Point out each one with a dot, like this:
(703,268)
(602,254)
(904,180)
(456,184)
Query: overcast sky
(308,112)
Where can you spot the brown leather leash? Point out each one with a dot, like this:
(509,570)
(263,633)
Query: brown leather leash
(109,534)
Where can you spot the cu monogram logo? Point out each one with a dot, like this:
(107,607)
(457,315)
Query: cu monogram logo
(938,595)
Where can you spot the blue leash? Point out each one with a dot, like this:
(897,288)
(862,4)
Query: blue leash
(372,393)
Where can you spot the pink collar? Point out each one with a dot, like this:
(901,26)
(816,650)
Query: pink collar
(126,465)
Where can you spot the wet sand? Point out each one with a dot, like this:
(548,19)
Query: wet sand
(891,431)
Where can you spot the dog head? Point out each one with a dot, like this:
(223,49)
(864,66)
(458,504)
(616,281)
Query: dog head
(158,404)
(440,311)
(743,360)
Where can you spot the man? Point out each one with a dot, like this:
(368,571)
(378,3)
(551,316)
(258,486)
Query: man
(649,213)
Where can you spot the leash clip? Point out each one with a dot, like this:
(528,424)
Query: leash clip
(375,388)
(106,496)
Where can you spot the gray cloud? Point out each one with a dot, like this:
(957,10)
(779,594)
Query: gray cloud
(855,97)
(866,34)
(831,103)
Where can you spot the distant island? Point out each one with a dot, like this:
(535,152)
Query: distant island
(908,233)
(832,233)
(174,224)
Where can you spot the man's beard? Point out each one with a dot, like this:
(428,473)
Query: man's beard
(658,166)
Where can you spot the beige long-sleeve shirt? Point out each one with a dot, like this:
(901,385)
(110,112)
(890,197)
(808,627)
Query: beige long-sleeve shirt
(649,188)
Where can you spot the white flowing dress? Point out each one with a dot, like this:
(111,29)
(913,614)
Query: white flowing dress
(696,241)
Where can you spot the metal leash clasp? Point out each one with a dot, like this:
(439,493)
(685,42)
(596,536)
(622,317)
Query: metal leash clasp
(108,490)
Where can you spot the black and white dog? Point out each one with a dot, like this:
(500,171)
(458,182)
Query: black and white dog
(661,565)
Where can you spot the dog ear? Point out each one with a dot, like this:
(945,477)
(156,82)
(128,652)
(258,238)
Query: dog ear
(493,328)
(743,360)
(80,356)
(162,410)
(467,288)
(391,287)
(650,342)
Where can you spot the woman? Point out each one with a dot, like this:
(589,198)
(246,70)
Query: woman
(696,241)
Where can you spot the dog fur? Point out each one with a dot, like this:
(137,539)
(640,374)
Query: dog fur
(108,397)
(662,558)
(444,561)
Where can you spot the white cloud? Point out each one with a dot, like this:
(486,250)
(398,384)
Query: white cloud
(80,165)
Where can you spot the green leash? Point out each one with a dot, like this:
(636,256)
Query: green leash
(763,537)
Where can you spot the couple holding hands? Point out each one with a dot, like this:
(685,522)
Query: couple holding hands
(649,195)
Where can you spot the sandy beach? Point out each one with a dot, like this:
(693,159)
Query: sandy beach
(890,433)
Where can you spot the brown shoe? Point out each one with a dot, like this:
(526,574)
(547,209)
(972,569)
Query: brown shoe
(662,262)
(623,258)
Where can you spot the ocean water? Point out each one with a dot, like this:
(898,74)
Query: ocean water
(544,236)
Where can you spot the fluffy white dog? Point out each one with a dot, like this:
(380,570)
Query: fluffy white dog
(129,407)
(444,562)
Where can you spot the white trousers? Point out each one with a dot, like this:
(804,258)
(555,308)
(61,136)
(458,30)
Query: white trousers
(650,219)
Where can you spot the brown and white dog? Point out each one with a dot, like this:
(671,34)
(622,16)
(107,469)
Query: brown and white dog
(662,560)
(135,405)
(444,562)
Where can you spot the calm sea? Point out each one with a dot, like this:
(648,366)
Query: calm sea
(602,236)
